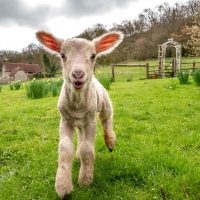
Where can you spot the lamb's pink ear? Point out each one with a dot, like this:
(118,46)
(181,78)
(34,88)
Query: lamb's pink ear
(107,42)
(49,41)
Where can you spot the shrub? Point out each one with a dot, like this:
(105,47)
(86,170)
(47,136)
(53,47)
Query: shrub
(105,81)
(40,88)
(11,86)
(15,85)
(0,88)
(183,76)
(54,86)
(37,76)
(196,76)
(36,89)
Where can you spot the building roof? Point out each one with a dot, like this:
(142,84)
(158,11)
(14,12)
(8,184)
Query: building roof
(14,71)
(28,68)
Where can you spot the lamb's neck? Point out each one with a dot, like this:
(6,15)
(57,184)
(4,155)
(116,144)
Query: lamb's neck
(77,99)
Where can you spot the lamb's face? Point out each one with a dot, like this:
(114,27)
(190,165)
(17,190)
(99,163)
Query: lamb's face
(78,55)
(78,59)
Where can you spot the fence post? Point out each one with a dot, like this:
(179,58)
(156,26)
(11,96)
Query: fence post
(147,70)
(113,72)
(173,67)
(193,65)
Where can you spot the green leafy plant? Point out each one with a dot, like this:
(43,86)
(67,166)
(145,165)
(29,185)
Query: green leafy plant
(0,88)
(15,85)
(183,76)
(37,89)
(11,86)
(196,76)
(105,80)
(128,80)
(55,86)
(172,85)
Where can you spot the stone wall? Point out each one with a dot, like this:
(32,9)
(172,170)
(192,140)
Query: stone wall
(5,80)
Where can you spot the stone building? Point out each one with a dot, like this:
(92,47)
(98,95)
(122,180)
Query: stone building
(20,71)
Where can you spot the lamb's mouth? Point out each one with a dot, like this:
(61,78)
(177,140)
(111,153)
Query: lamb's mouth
(78,85)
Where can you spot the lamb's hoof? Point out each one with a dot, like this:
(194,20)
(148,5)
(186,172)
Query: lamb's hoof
(63,190)
(63,184)
(64,194)
(67,197)
(110,140)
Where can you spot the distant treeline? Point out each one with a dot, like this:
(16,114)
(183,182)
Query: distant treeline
(142,35)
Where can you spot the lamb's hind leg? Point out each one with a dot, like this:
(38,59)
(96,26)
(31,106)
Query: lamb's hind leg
(106,119)
(86,153)
(63,183)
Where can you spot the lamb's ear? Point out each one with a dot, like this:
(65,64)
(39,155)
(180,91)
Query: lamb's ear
(107,42)
(49,41)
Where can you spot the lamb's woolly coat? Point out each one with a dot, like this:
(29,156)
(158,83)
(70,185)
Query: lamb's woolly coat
(81,98)
(80,108)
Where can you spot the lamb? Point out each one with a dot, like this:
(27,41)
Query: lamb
(81,98)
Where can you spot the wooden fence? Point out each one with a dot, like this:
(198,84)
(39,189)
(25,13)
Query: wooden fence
(150,69)
(194,65)
(149,72)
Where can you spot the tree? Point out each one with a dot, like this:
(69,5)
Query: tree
(46,61)
(190,39)
(51,68)
(194,41)
(93,32)
(142,49)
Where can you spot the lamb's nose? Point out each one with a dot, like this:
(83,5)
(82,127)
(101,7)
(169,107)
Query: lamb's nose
(78,74)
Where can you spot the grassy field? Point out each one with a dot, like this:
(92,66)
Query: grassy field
(157,155)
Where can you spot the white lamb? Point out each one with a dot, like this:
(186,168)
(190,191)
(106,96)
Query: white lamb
(81,98)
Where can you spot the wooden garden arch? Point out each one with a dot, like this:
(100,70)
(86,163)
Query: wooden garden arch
(161,57)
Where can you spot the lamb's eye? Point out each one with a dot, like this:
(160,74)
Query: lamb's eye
(93,56)
(62,55)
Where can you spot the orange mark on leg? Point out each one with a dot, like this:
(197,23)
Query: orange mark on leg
(109,141)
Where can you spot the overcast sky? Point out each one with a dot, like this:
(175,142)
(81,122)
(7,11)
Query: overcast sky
(20,19)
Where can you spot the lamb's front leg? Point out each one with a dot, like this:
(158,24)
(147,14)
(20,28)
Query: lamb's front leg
(86,153)
(63,183)
(109,135)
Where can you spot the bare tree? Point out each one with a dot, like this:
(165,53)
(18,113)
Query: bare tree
(93,32)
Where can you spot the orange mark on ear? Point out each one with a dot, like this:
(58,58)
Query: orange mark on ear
(48,40)
(107,42)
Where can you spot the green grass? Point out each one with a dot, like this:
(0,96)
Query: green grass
(157,155)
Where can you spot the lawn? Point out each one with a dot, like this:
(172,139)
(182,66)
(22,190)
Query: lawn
(157,155)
